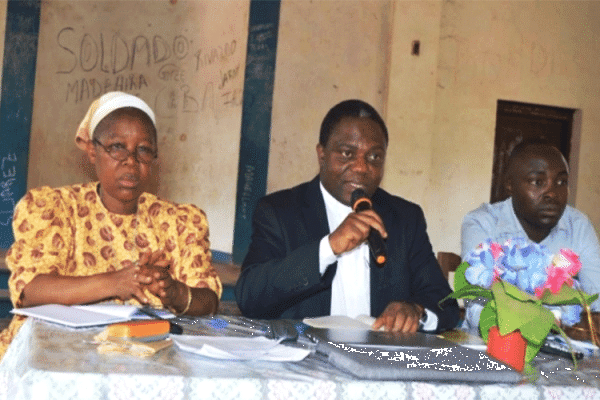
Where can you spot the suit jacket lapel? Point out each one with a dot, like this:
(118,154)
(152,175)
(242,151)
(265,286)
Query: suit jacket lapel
(315,218)
(313,212)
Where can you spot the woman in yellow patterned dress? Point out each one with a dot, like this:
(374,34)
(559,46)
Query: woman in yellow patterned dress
(111,239)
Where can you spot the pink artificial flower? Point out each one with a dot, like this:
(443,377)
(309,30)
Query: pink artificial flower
(496,250)
(568,260)
(561,270)
(556,278)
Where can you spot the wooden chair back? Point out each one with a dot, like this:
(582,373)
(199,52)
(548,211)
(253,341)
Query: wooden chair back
(448,261)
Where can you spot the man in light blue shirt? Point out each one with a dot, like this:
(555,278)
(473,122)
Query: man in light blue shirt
(537,180)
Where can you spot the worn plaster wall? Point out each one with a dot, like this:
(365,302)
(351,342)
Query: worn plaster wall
(328,51)
(185,58)
(544,52)
(411,98)
(440,105)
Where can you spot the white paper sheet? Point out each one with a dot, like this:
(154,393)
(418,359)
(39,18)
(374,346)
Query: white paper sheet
(361,322)
(85,316)
(124,311)
(69,316)
(236,348)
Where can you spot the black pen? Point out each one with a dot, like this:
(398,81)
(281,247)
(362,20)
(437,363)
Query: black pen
(173,327)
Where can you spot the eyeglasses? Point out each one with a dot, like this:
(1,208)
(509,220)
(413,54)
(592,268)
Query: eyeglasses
(118,152)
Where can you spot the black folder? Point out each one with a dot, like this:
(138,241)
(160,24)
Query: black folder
(378,355)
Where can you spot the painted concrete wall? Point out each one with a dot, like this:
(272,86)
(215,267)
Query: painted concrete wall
(328,51)
(411,99)
(440,105)
(534,52)
(186,59)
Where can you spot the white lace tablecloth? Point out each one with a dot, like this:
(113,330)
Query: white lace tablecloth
(50,362)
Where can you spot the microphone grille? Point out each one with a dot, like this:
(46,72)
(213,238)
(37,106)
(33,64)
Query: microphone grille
(358,194)
(360,201)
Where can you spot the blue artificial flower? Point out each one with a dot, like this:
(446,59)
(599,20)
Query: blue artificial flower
(528,279)
(513,258)
(480,275)
(524,264)
(577,285)
(481,265)
(475,256)
(509,274)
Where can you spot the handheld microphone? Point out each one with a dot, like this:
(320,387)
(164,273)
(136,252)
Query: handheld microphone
(361,202)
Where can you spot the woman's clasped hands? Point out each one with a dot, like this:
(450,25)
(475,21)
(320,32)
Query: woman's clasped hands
(152,272)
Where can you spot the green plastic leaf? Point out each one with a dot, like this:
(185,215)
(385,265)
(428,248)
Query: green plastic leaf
(531,352)
(487,319)
(470,292)
(531,373)
(463,289)
(459,277)
(526,314)
(516,293)
(567,295)
(536,330)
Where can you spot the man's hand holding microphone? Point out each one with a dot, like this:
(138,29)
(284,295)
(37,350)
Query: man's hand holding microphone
(363,224)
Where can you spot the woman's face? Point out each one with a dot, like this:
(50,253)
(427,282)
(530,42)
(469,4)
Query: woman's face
(122,182)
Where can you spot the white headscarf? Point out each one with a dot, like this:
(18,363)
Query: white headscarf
(103,106)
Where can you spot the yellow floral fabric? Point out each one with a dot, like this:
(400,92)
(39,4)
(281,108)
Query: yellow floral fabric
(69,231)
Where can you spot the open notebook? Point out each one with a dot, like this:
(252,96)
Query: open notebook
(87,315)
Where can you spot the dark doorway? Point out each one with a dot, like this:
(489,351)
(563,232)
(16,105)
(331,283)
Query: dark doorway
(516,122)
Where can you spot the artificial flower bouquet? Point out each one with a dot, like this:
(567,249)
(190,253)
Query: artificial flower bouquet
(523,282)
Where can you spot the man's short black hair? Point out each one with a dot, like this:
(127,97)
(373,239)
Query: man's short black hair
(520,148)
(349,108)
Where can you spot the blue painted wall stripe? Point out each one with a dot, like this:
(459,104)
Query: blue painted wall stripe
(256,118)
(16,106)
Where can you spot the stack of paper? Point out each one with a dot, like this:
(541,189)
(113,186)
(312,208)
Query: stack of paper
(85,316)
(239,348)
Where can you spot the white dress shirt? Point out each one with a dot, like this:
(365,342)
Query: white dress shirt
(351,285)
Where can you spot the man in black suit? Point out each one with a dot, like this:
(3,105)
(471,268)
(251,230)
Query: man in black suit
(309,257)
